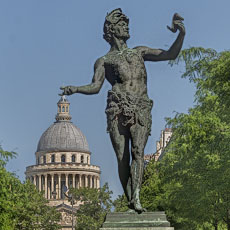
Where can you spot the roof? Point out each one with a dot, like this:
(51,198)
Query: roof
(63,137)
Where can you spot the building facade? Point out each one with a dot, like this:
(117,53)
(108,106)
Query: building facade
(63,160)
(162,143)
(160,146)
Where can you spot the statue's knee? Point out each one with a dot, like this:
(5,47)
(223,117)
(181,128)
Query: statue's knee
(119,156)
(137,151)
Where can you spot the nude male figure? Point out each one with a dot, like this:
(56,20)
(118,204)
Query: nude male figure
(128,105)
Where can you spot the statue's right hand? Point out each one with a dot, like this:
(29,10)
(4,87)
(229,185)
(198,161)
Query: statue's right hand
(68,90)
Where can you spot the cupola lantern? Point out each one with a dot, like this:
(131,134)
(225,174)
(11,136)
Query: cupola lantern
(63,110)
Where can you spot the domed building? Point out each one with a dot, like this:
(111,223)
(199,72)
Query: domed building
(63,160)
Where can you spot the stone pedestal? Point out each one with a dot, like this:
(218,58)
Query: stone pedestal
(134,221)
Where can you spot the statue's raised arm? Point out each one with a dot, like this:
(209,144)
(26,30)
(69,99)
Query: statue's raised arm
(94,87)
(150,54)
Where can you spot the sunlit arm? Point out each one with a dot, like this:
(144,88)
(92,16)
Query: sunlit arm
(94,87)
(150,54)
(97,81)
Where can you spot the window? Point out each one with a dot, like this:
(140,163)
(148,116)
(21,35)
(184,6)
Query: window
(63,158)
(88,182)
(93,182)
(67,109)
(73,158)
(38,161)
(82,159)
(59,108)
(44,159)
(52,158)
(63,108)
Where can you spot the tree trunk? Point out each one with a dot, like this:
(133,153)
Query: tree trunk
(215,224)
(228,221)
(228,225)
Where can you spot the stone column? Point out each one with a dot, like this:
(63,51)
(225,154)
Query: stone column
(80,181)
(74,180)
(86,181)
(59,186)
(40,182)
(46,186)
(66,181)
(98,182)
(92,183)
(35,180)
(52,186)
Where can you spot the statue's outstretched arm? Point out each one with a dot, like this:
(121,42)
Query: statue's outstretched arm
(94,87)
(150,54)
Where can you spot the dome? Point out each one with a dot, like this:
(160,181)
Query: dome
(63,135)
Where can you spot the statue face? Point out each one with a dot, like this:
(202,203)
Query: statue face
(121,30)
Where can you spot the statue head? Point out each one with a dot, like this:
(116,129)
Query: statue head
(113,21)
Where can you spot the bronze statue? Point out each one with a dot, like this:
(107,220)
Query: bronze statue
(128,105)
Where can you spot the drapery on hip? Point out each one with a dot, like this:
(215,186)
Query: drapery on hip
(128,110)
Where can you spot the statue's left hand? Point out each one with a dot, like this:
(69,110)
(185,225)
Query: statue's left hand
(180,26)
(68,90)
(177,24)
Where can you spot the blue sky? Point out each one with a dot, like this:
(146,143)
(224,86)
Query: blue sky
(45,44)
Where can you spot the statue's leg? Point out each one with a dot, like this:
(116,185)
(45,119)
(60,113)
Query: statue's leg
(139,137)
(119,136)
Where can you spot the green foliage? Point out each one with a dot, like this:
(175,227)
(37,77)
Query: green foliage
(194,58)
(5,156)
(21,205)
(192,182)
(95,203)
(151,188)
(121,204)
(198,157)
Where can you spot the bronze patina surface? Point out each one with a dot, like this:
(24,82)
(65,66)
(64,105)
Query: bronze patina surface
(134,221)
(128,105)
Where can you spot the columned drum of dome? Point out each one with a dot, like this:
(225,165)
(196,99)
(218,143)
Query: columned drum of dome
(63,159)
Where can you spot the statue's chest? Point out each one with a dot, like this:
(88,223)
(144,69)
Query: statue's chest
(123,63)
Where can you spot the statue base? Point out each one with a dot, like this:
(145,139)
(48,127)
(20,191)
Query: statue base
(134,221)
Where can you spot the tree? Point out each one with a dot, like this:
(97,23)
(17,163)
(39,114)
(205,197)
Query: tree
(151,191)
(198,157)
(94,204)
(192,182)
(121,204)
(5,156)
(32,211)
(21,205)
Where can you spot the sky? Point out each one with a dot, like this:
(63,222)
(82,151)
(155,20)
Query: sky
(45,44)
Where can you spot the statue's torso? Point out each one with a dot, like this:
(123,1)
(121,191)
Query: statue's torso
(125,70)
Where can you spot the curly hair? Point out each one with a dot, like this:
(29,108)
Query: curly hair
(111,19)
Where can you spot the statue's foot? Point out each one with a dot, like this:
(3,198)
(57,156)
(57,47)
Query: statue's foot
(131,205)
(131,211)
(138,208)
